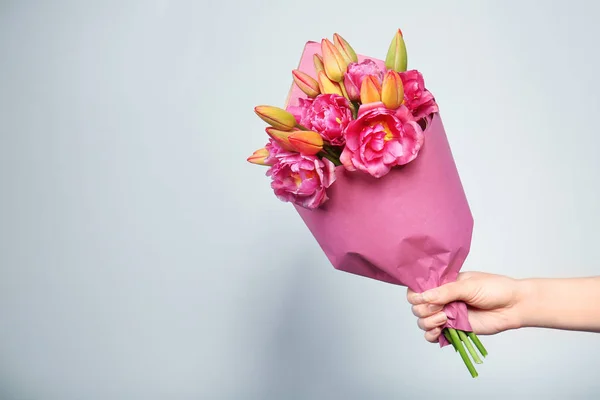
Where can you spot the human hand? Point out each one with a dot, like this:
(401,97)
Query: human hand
(492,303)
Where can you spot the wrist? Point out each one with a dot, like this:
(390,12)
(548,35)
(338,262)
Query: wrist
(525,297)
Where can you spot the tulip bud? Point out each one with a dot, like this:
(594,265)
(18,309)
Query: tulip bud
(259,157)
(396,58)
(306,83)
(392,90)
(328,87)
(370,90)
(345,49)
(343,89)
(306,142)
(351,89)
(276,117)
(281,137)
(318,62)
(334,63)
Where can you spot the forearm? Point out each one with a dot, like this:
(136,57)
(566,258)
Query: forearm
(570,304)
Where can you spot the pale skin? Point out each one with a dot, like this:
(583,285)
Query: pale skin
(498,303)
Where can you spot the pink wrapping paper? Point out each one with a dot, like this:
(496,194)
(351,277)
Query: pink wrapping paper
(412,227)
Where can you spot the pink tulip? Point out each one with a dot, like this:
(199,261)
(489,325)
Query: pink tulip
(355,75)
(418,99)
(380,139)
(275,150)
(301,179)
(327,114)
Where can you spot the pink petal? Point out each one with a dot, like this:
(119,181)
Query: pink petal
(377,169)
(328,173)
(370,155)
(346,159)
(377,143)
(308,187)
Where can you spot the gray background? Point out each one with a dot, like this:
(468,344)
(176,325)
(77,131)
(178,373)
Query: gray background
(141,257)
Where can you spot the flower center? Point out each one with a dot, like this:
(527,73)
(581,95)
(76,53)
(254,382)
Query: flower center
(388,132)
(382,125)
(298,178)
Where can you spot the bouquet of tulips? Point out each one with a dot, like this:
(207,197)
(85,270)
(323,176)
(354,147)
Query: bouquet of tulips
(360,151)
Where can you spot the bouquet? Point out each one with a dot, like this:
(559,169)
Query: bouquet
(361,152)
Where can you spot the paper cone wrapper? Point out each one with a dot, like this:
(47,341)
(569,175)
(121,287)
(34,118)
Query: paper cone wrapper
(413,227)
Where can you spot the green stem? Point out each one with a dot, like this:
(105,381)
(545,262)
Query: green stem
(330,151)
(331,158)
(463,353)
(478,343)
(354,108)
(449,339)
(469,346)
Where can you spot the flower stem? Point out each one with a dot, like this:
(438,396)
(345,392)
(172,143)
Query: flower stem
(330,157)
(463,337)
(330,151)
(478,343)
(355,106)
(449,339)
(463,354)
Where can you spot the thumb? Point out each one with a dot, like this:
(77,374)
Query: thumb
(453,291)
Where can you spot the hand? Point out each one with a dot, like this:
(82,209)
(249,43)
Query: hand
(492,302)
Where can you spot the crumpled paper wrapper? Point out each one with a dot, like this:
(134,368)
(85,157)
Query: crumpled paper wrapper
(412,227)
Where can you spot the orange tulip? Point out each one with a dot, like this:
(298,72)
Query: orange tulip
(281,137)
(318,62)
(327,86)
(345,49)
(370,90)
(277,117)
(333,61)
(306,83)
(259,157)
(392,90)
(306,142)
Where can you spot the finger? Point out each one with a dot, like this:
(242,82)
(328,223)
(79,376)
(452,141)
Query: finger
(453,291)
(413,297)
(433,335)
(432,322)
(464,275)
(426,310)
